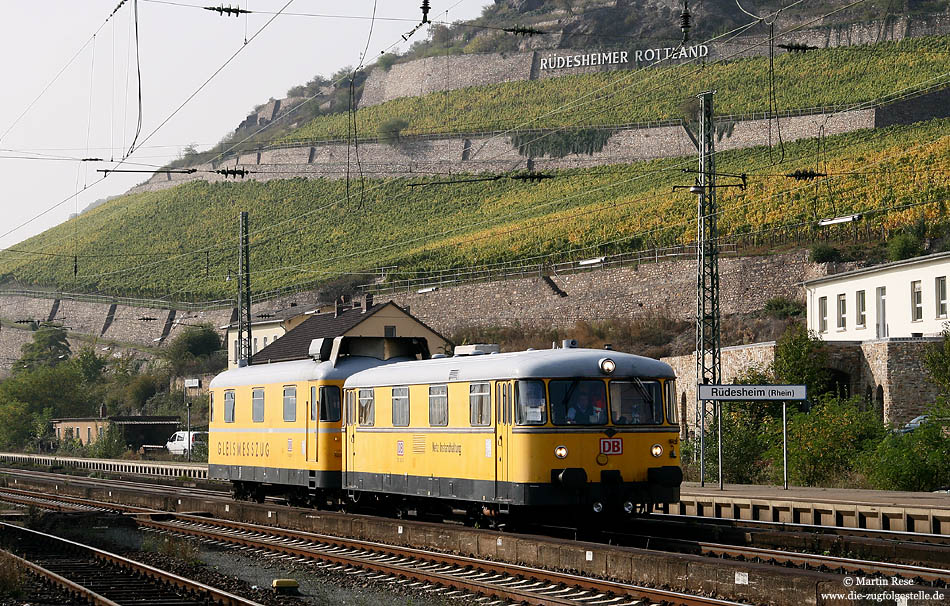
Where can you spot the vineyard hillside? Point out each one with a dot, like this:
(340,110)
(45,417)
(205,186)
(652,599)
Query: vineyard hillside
(181,243)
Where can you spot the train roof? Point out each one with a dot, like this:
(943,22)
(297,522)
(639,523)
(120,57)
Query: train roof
(545,363)
(297,370)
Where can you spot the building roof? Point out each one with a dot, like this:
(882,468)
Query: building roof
(877,268)
(124,419)
(278,316)
(295,344)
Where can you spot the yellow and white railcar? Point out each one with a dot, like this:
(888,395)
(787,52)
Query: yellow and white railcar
(532,429)
(276,428)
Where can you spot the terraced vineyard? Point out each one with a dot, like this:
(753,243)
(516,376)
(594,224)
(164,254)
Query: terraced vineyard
(307,231)
(848,75)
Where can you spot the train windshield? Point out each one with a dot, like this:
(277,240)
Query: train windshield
(636,402)
(578,402)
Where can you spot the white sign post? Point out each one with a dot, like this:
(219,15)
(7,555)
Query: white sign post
(746,393)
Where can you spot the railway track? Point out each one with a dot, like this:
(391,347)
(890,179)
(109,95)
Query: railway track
(931,575)
(98,577)
(446,574)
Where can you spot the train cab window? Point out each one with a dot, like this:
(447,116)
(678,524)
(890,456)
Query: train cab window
(636,402)
(210,406)
(479,403)
(400,407)
(290,404)
(438,405)
(229,407)
(671,416)
(367,408)
(578,402)
(257,405)
(530,403)
(328,402)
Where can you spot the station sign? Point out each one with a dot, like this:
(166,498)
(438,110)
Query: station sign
(752,392)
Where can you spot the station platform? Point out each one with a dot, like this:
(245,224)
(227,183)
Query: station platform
(924,512)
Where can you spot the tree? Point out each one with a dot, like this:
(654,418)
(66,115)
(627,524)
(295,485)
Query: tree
(195,343)
(90,364)
(903,246)
(937,361)
(48,348)
(800,359)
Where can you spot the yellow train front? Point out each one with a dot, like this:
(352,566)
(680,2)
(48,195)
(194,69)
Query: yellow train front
(521,431)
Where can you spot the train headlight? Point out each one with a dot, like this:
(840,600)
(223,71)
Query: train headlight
(560,452)
(607,366)
(656,450)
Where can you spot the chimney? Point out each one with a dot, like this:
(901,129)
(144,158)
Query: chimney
(367,302)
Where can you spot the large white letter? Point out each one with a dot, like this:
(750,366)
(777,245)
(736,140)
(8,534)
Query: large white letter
(623,56)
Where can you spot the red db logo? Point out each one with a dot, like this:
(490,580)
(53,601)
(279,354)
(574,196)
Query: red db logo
(611,446)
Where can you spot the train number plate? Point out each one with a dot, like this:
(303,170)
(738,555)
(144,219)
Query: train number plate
(611,446)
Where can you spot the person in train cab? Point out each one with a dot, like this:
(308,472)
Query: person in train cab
(589,406)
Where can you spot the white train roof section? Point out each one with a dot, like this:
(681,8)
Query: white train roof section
(295,371)
(545,363)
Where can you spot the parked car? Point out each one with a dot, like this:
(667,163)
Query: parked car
(178,443)
(913,424)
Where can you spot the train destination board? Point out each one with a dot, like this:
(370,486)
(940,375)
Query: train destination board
(752,392)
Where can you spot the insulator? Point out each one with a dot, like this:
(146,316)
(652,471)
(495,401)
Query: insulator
(685,23)
(425,11)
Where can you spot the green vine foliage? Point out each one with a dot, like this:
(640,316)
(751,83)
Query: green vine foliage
(308,232)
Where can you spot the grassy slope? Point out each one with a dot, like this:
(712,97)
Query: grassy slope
(843,75)
(322,236)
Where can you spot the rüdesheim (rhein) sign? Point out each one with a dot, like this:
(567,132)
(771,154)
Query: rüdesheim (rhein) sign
(752,392)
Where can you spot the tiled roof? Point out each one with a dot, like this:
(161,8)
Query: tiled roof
(295,344)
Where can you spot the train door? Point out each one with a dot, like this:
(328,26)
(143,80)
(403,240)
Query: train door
(313,426)
(349,447)
(503,419)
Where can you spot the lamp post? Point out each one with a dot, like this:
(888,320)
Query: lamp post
(195,383)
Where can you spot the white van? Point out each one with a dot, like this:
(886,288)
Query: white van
(178,443)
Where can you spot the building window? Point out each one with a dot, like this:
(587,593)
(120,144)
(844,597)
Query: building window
(860,309)
(257,405)
(400,407)
(265,341)
(390,331)
(438,405)
(367,408)
(237,351)
(940,289)
(255,346)
(842,312)
(229,407)
(89,435)
(916,302)
(290,404)
(99,432)
(823,314)
(479,404)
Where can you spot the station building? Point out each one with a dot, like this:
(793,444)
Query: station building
(877,324)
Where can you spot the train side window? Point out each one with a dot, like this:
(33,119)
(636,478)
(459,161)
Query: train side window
(479,402)
(530,403)
(671,402)
(350,407)
(290,404)
(400,407)
(329,403)
(438,405)
(257,405)
(229,407)
(367,405)
(499,389)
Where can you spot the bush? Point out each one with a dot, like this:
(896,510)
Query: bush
(824,253)
(916,460)
(390,130)
(903,246)
(387,61)
(783,307)
(800,359)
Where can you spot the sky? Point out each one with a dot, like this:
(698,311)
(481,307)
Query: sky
(69,84)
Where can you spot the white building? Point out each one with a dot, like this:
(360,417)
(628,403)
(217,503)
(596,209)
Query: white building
(895,300)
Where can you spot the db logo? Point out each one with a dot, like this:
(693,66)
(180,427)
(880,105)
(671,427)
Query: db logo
(611,446)
(400,448)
